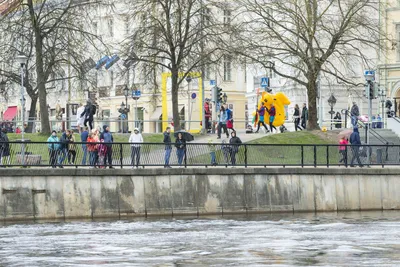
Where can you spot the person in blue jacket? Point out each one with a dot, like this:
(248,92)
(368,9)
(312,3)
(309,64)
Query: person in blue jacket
(53,144)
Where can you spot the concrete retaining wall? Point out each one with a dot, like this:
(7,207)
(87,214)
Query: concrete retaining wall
(71,193)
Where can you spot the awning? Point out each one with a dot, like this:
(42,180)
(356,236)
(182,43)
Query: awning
(156,114)
(10,113)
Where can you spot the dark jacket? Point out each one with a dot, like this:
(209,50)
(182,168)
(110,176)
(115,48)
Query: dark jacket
(235,142)
(304,114)
(355,137)
(88,113)
(355,111)
(5,146)
(167,140)
(296,112)
(180,143)
(107,136)
(64,141)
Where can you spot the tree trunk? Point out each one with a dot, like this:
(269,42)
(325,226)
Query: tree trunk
(312,104)
(32,115)
(175,103)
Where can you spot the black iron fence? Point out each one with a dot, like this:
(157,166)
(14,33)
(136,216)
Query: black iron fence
(101,155)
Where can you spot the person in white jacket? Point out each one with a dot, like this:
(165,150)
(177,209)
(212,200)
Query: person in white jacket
(135,140)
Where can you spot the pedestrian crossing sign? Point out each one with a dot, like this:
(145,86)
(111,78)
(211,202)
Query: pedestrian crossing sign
(264,82)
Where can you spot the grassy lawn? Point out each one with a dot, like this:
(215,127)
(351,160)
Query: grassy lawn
(301,137)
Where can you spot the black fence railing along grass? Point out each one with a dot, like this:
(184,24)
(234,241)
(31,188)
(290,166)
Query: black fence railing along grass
(101,155)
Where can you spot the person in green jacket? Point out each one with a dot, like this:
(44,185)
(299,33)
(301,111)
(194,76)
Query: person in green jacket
(53,143)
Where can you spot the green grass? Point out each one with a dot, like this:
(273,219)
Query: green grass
(301,137)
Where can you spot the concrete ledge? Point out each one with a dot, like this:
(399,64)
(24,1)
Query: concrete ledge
(70,172)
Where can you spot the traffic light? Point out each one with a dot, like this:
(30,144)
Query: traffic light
(219,95)
(371,90)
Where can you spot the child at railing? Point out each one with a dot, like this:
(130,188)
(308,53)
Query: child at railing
(342,149)
(102,150)
(213,150)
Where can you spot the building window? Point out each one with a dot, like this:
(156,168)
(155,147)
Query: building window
(227,68)
(110,23)
(227,17)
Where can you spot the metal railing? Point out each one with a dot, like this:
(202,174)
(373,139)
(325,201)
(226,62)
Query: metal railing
(122,155)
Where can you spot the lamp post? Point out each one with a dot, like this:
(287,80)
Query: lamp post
(135,96)
(188,80)
(332,103)
(22,59)
(126,94)
(382,96)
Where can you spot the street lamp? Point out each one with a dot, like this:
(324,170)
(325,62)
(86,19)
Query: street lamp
(22,59)
(332,103)
(382,95)
(225,98)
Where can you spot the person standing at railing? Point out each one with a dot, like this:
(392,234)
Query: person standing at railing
(108,140)
(53,144)
(343,142)
(92,148)
(296,117)
(180,144)
(135,140)
(304,116)
(272,113)
(84,137)
(71,147)
(63,149)
(222,122)
(168,147)
(355,147)
(235,142)
(97,140)
(213,151)
(261,112)
(354,113)
(4,148)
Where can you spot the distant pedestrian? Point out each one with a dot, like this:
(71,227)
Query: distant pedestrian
(296,117)
(80,121)
(108,140)
(304,116)
(235,142)
(261,113)
(180,144)
(135,140)
(102,154)
(71,147)
(213,151)
(4,148)
(63,149)
(338,120)
(222,122)
(168,147)
(92,147)
(84,137)
(229,121)
(354,113)
(343,149)
(355,147)
(272,113)
(53,144)
(88,114)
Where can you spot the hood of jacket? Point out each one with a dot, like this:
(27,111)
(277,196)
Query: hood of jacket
(105,128)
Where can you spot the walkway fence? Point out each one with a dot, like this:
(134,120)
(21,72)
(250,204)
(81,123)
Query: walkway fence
(42,154)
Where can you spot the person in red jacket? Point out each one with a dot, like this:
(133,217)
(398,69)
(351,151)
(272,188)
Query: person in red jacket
(272,113)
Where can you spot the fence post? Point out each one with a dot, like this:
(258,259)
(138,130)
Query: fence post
(315,156)
(302,156)
(121,155)
(245,156)
(185,157)
(346,158)
(327,156)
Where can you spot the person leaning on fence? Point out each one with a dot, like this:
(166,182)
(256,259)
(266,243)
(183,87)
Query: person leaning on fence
(102,153)
(135,140)
(213,151)
(53,144)
(168,147)
(226,151)
(92,148)
(180,144)
(355,147)
(343,149)
(71,147)
(4,148)
(84,137)
(235,142)
(108,139)
(63,151)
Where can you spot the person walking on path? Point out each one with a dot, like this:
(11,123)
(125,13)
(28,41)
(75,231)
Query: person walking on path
(354,113)
(63,149)
(343,142)
(355,147)
(92,147)
(296,117)
(272,113)
(213,151)
(53,144)
(261,112)
(168,147)
(71,147)
(108,140)
(135,140)
(235,142)
(222,122)
(84,137)
(180,144)
(4,148)
(80,121)
(229,121)
(304,116)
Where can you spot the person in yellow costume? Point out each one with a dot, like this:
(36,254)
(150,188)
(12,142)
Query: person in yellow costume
(279,100)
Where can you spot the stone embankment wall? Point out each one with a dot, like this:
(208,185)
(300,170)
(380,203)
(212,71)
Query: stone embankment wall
(85,193)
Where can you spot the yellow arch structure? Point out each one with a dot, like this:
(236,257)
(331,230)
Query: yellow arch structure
(164,78)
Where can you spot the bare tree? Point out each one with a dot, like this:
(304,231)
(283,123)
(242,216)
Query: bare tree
(305,38)
(54,35)
(170,35)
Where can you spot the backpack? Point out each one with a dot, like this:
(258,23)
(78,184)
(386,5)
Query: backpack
(94,109)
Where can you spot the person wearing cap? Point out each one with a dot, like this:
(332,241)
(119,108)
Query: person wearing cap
(135,140)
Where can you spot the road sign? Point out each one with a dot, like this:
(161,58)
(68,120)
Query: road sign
(194,95)
(136,94)
(264,82)
(369,75)
(212,82)
(123,116)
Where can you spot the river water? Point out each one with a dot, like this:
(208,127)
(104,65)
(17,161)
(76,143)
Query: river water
(327,239)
